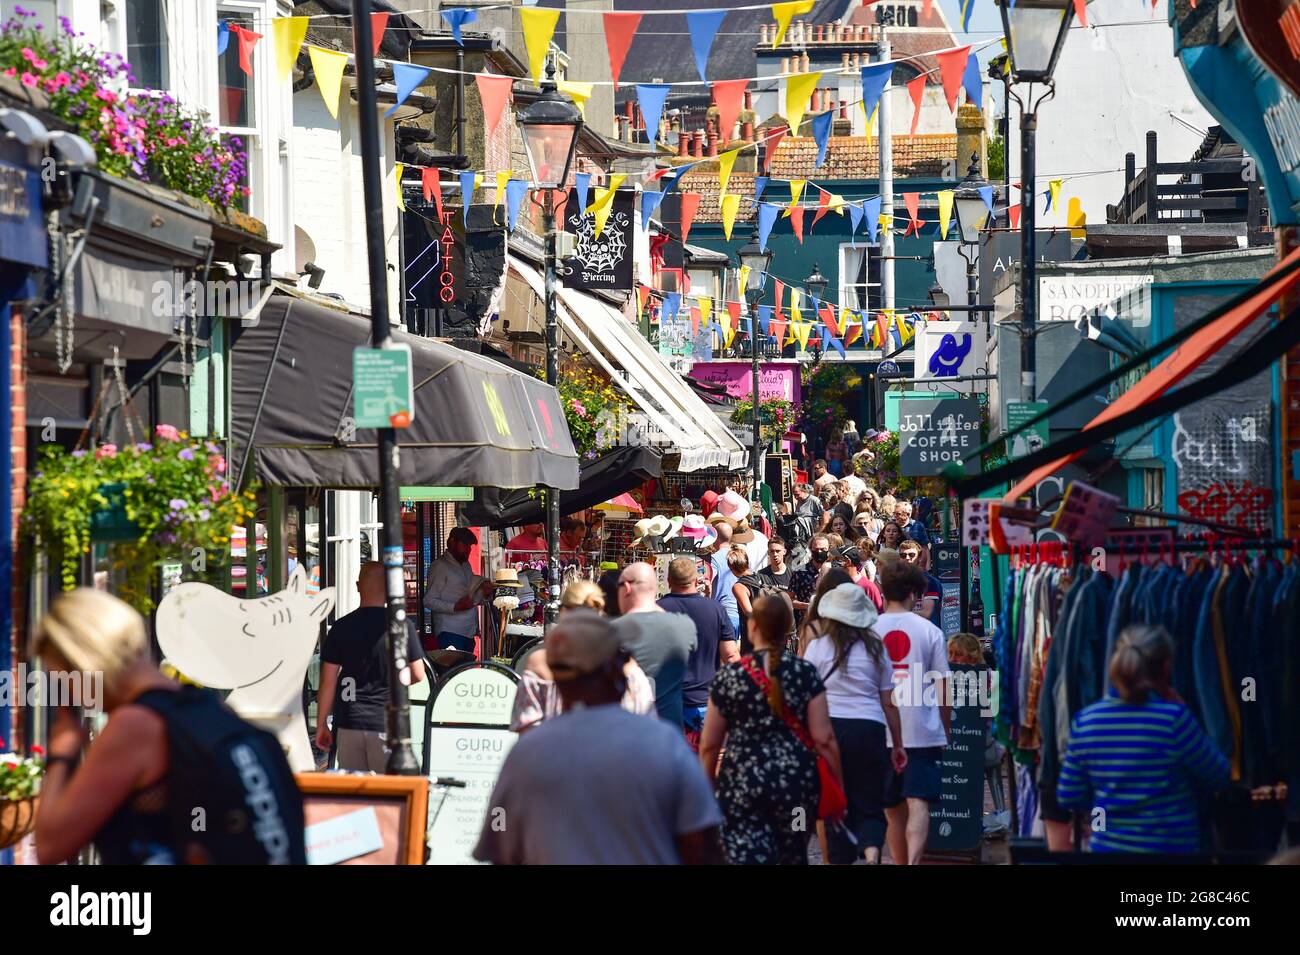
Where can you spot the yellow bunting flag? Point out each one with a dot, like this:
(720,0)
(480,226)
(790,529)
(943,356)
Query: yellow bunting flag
(725,162)
(852,332)
(798,93)
(730,205)
(1054,188)
(328,66)
(903,333)
(796,316)
(578,92)
(796,190)
(945,211)
(1077,219)
(539,26)
(502,178)
(871,121)
(802,330)
(401,203)
(744,278)
(783,13)
(706,309)
(836,204)
(287,34)
(886,222)
(728,335)
(604,203)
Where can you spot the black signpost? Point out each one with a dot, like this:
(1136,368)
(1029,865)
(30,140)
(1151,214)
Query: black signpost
(957,819)
(934,433)
(946,565)
(603,263)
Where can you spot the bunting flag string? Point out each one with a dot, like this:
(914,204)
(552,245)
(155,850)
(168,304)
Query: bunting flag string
(703,26)
(539,26)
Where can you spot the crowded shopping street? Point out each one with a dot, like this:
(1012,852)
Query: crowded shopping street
(483,434)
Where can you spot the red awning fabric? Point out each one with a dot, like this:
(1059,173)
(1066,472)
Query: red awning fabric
(1184,359)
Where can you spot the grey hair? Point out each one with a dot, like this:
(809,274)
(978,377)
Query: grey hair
(1140,662)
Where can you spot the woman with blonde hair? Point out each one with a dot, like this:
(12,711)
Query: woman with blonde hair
(1141,759)
(118,794)
(537,699)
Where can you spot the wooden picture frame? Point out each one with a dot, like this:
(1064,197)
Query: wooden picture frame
(401,804)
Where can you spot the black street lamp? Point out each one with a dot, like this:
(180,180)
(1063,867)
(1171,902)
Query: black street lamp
(815,284)
(972,213)
(758,260)
(550,126)
(1035,32)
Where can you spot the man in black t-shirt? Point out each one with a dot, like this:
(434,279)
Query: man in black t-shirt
(354,674)
(776,574)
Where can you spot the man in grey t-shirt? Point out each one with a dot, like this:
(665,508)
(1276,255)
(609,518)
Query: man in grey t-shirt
(598,785)
(659,641)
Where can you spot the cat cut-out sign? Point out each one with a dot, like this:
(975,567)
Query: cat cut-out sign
(258,649)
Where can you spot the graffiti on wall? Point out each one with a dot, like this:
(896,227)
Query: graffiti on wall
(1225,467)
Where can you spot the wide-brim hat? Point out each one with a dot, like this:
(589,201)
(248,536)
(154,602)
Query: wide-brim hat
(656,526)
(695,527)
(708,540)
(674,527)
(715,518)
(642,531)
(506,577)
(733,507)
(847,604)
(743,533)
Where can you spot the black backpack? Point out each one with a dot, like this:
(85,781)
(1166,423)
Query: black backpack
(231,794)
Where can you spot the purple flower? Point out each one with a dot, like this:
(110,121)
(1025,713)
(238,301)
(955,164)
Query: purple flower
(187,454)
(178,504)
(79,454)
(144,446)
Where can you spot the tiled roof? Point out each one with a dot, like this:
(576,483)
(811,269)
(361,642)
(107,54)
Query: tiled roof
(847,157)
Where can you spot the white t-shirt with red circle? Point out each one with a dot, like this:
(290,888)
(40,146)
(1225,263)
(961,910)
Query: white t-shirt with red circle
(918,660)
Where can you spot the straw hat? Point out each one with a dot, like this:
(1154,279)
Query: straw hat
(506,577)
(674,527)
(743,533)
(642,531)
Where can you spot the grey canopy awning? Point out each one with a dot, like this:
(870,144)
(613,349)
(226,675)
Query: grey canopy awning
(477,423)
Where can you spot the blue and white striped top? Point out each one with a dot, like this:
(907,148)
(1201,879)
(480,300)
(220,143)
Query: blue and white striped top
(1140,766)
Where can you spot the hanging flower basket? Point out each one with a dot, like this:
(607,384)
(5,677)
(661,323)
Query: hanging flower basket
(111,522)
(166,502)
(17,818)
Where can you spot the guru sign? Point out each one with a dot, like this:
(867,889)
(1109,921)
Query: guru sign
(933,434)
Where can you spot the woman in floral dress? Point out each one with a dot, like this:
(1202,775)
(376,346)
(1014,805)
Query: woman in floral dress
(768,784)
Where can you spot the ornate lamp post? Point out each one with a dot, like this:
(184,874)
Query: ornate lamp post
(550,126)
(758,260)
(972,214)
(1035,31)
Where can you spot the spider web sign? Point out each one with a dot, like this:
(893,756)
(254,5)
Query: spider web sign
(604,263)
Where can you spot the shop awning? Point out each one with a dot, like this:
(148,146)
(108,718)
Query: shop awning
(668,402)
(1153,396)
(614,472)
(477,422)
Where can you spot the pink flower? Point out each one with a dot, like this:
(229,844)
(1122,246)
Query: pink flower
(105,451)
(173,141)
(30,79)
(108,96)
(11,72)
(39,64)
(167,432)
(218,463)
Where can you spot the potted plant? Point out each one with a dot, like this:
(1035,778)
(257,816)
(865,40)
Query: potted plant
(20,785)
(775,417)
(162,502)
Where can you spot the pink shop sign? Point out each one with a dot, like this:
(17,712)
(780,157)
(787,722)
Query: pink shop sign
(774,380)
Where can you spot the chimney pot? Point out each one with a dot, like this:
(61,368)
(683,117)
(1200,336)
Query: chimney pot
(683,143)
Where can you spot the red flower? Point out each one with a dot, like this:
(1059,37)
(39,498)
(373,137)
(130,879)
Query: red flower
(38,750)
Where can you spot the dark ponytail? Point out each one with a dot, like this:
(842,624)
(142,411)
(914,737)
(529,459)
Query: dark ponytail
(774,619)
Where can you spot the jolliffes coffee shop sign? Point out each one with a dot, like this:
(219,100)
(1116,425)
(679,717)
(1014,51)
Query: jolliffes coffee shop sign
(1217,42)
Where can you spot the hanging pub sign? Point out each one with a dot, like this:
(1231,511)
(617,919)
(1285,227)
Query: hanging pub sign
(604,263)
(951,350)
(934,433)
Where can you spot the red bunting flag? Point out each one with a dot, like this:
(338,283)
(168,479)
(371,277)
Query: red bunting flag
(917,90)
(913,202)
(494,91)
(774,137)
(620,28)
(952,65)
(695,318)
(733,309)
(823,204)
(378,24)
(778,329)
(1081,11)
(925,9)
(796,222)
(882,329)
(780,295)
(247,40)
(1014,212)
(852,332)
(559,199)
(727,96)
(828,319)
(432,186)
(690,205)
(642,294)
